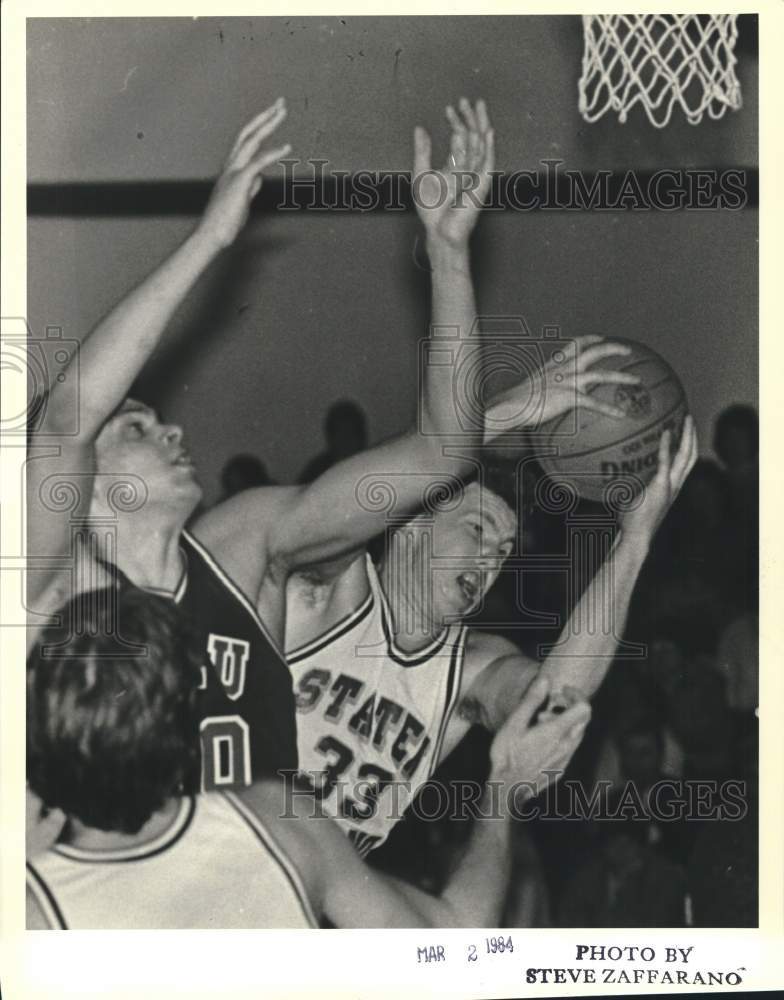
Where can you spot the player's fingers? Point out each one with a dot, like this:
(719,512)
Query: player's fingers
(695,447)
(422,150)
(458,148)
(454,119)
(663,468)
(605,349)
(686,455)
(482,117)
(247,149)
(254,141)
(254,123)
(468,114)
(532,699)
(570,695)
(476,150)
(583,342)
(489,160)
(598,406)
(601,375)
(574,717)
(578,347)
(267,158)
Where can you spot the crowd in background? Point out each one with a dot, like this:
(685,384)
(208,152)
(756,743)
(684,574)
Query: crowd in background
(677,712)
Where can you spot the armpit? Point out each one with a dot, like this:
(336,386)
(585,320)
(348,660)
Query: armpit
(470,710)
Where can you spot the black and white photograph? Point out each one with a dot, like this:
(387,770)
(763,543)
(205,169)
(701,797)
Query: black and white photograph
(388,445)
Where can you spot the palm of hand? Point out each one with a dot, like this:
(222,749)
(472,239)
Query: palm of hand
(449,201)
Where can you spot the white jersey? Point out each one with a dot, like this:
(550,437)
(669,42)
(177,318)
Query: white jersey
(216,866)
(370,717)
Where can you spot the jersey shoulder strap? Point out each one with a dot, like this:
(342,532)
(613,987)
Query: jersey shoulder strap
(273,848)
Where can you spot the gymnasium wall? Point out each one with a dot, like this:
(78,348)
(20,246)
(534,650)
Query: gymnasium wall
(310,307)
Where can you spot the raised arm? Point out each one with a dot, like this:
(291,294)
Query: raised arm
(584,653)
(448,202)
(499,674)
(116,351)
(337,512)
(60,464)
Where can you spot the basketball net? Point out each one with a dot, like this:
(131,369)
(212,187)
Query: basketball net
(659,60)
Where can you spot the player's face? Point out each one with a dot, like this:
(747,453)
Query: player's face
(469,545)
(135,442)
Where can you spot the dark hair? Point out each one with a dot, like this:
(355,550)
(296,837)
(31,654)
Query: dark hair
(112,726)
(501,476)
(742,417)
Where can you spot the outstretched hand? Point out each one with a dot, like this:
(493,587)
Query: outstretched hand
(561,384)
(448,201)
(241,178)
(535,754)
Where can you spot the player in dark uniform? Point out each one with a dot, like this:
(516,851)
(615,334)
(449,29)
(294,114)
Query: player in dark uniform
(112,717)
(241,553)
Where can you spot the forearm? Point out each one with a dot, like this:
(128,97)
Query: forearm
(115,352)
(476,892)
(588,643)
(453,318)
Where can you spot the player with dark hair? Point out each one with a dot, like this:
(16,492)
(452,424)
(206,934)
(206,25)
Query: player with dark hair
(388,678)
(111,722)
(111,743)
(134,487)
(229,572)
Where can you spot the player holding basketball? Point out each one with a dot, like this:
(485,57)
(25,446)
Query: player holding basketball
(388,679)
(229,573)
(247,547)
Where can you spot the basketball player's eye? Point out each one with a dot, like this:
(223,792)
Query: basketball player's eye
(478,530)
(135,429)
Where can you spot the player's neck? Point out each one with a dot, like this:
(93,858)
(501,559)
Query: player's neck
(88,838)
(148,551)
(409,600)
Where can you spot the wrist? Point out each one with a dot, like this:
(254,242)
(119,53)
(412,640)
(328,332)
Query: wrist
(505,793)
(446,254)
(633,545)
(206,241)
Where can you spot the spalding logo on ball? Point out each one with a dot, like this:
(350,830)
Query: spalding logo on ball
(596,454)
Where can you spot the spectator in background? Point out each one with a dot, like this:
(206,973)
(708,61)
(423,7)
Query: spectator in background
(345,431)
(736,442)
(242,472)
(697,713)
(641,762)
(693,569)
(723,869)
(528,898)
(738,661)
(625,883)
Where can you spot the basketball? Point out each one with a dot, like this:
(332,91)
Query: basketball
(593,452)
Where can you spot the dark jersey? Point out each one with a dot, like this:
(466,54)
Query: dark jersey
(248,721)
